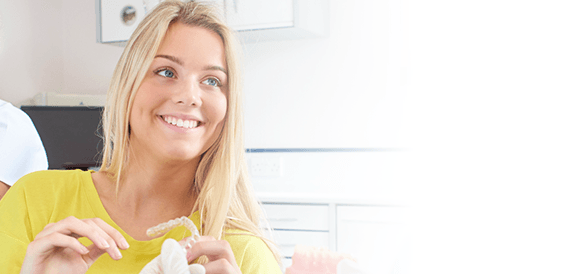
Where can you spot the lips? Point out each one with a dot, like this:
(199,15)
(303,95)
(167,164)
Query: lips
(181,123)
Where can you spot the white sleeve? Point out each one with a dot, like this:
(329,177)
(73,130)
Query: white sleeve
(21,150)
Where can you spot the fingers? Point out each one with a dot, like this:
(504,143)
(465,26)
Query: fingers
(93,255)
(212,248)
(220,266)
(187,243)
(46,244)
(220,256)
(104,236)
(113,238)
(112,232)
(74,227)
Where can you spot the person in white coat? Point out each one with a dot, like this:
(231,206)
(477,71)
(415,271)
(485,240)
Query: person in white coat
(21,150)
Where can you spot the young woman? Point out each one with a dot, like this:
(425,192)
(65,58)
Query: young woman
(173,147)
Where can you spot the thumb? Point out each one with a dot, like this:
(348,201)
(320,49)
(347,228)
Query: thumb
(173,258)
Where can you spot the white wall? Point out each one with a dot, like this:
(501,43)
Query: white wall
(30,48)
(87,65)
(340,91)
(50,46)
(345,90)
(493,98)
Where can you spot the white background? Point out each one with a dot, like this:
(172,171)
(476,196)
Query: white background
(493,95)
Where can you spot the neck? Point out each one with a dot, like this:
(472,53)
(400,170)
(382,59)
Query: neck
(155,187)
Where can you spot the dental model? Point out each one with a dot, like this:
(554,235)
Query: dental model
(319,260)
(172,258)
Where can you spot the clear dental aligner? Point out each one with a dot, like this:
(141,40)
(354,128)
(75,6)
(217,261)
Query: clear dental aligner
(165,227)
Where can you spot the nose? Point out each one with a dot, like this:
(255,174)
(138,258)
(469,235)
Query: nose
(188,94)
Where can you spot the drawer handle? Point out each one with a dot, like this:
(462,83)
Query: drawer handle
(282,219)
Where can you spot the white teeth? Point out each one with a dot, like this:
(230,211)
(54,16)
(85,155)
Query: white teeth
(181,123)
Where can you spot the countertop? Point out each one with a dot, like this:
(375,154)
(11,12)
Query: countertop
(330,198)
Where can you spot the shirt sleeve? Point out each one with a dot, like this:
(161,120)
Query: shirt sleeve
(257,258)
(12,253)
(20,145)
(15,232)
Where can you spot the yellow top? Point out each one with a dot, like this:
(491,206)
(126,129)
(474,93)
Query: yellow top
(44,197)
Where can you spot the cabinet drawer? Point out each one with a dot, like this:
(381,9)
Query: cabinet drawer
(376,236)
(286,240)
(301,217)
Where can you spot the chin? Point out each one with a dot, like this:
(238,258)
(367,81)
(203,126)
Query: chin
(184,155)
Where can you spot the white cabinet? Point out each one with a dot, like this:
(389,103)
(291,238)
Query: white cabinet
(116,20)
(303,217)
(259,14)
(376,236)
(288,239)
(293,224)
(262,20)
(255,20)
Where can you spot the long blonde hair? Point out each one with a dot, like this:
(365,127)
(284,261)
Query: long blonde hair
(225,196)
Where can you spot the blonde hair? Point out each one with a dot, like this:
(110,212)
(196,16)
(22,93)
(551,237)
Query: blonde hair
(225,196)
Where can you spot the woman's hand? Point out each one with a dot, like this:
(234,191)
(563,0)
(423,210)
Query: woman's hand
(56,249)
(219,254)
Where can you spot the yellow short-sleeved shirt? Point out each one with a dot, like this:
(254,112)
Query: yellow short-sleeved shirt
(44,197)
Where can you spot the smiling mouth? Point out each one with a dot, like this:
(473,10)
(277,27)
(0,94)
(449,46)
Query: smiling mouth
(181,123)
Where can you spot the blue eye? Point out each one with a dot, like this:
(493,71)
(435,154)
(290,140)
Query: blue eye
(165,73)
(212,82)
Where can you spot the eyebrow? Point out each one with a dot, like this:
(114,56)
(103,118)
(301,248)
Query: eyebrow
(178,61)
(171,58)
(216,68)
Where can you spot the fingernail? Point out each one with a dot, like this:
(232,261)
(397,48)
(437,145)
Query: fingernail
(118,255)
(104,243)
(84,250)
(124,244)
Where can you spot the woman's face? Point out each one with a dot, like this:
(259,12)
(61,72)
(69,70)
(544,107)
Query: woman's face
(179,109)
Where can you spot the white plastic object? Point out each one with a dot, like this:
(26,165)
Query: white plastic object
(172,260)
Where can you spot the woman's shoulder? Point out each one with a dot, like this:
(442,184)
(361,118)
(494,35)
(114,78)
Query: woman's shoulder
(239,237)
(251,252)
(39,198)
(50,195)
(47,181)
(54,175)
